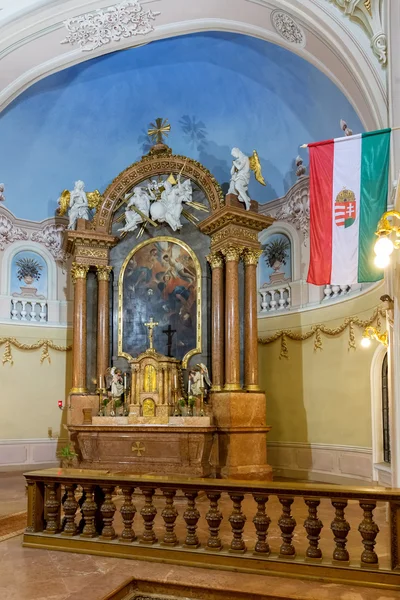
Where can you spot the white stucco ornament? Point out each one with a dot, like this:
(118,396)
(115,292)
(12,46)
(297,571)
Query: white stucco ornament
(51,236)
(9,232)
(137,209)
(113,24)
(169,208)
(287,27)
(2,196)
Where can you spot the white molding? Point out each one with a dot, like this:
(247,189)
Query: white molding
(26,453)
(376,409)
(328,463)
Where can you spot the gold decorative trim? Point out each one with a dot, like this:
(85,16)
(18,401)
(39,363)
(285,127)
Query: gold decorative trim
(78,271)
(188,249)
(44,344)
(316,330)
(250,256)
(78,390)
(103,272)
(215,259)
(231,387)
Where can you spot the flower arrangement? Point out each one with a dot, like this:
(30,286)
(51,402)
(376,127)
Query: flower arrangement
(28,269)
(276,251)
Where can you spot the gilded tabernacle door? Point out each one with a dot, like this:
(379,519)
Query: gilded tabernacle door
(160,279)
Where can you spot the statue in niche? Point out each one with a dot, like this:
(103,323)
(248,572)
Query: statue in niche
(240,174)
(197,376)
(78,203)
(140,200)
(169,208)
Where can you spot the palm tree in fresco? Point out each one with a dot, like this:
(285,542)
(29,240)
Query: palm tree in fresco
(194,131)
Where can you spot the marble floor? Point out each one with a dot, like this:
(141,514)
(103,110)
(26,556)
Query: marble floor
(30,574)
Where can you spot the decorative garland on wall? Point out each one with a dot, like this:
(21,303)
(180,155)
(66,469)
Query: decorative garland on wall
(44,344)
(316,330)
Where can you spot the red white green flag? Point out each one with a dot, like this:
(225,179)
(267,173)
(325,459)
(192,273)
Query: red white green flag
(348,195)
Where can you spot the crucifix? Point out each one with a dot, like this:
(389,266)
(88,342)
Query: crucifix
(157,130)
(170,334)
(150,326)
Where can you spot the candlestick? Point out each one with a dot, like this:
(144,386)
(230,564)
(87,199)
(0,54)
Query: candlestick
(125,381)
(100,382)
(189,385)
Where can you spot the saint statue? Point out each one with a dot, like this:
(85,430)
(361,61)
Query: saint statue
(140,200)
(117,383)
(78,203)
(197,376)
(240,174)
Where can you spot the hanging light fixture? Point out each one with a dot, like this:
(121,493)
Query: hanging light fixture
(388,238)
(371,333)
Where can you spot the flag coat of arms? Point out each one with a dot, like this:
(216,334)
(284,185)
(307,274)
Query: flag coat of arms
(348,195)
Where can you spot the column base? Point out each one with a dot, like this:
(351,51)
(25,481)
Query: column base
(78,390)
(251,388)
(232,387)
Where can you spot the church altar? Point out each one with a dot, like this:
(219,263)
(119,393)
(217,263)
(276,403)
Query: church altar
(165,374)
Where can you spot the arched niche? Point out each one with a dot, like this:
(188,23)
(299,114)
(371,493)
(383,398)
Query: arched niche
(25,246)
(275,265)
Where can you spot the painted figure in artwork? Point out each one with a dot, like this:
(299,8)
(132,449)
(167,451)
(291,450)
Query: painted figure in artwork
(78,205)
(141,201)
(240,174)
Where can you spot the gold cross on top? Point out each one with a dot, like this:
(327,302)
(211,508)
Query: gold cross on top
(158,129)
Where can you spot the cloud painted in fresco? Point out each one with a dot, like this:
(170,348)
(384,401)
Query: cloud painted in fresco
(218,90)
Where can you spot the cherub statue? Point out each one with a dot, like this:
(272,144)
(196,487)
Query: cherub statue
(140,200)
(78,203)
(240,174)
(2,196)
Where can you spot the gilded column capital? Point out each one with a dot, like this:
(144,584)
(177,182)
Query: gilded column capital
(215,259)
(251,256)
(103,272)
(78,271)
(232,253)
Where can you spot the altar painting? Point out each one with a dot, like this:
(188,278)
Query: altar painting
(160,279)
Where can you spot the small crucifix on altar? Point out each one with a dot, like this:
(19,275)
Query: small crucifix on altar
(159,129)
(169,332)
(150,326)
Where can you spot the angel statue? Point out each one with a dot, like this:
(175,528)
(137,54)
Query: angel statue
(139,203)
(169,208)
(240,174)
(78,203)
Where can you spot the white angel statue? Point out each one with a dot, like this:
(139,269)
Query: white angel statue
(197,376)
(78,203)
(240,174)
(140,200)
(169,208)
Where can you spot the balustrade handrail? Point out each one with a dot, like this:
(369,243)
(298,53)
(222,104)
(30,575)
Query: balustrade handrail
(322,490)
(74,509)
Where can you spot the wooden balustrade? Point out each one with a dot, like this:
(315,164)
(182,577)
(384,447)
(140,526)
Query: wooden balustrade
(217,523)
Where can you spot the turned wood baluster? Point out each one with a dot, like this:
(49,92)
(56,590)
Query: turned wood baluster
(214,518)
(128,511)
(169,514)
(107,511)
(52,506)
(340,529)
(237,521)
(369,530)
(287,524)
(148,513)
(313,526)
(88,509)
(262,523)
(70,506)
(191,516)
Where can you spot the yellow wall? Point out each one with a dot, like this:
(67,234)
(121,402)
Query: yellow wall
(30,390)
(319,396)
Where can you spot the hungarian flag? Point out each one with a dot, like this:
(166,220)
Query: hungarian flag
(348,195)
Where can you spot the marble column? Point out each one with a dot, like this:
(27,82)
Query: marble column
(103,320)
(134,398)
(232,331)
(79,273)
(216,261)
(250,259)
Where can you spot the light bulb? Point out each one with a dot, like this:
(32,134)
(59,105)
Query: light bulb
(365,342)
(382,261)
(383,246)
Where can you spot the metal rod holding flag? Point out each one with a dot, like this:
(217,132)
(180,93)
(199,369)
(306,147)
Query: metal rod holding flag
(348,137)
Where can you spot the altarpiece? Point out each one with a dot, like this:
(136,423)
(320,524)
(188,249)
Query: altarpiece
(155,296)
